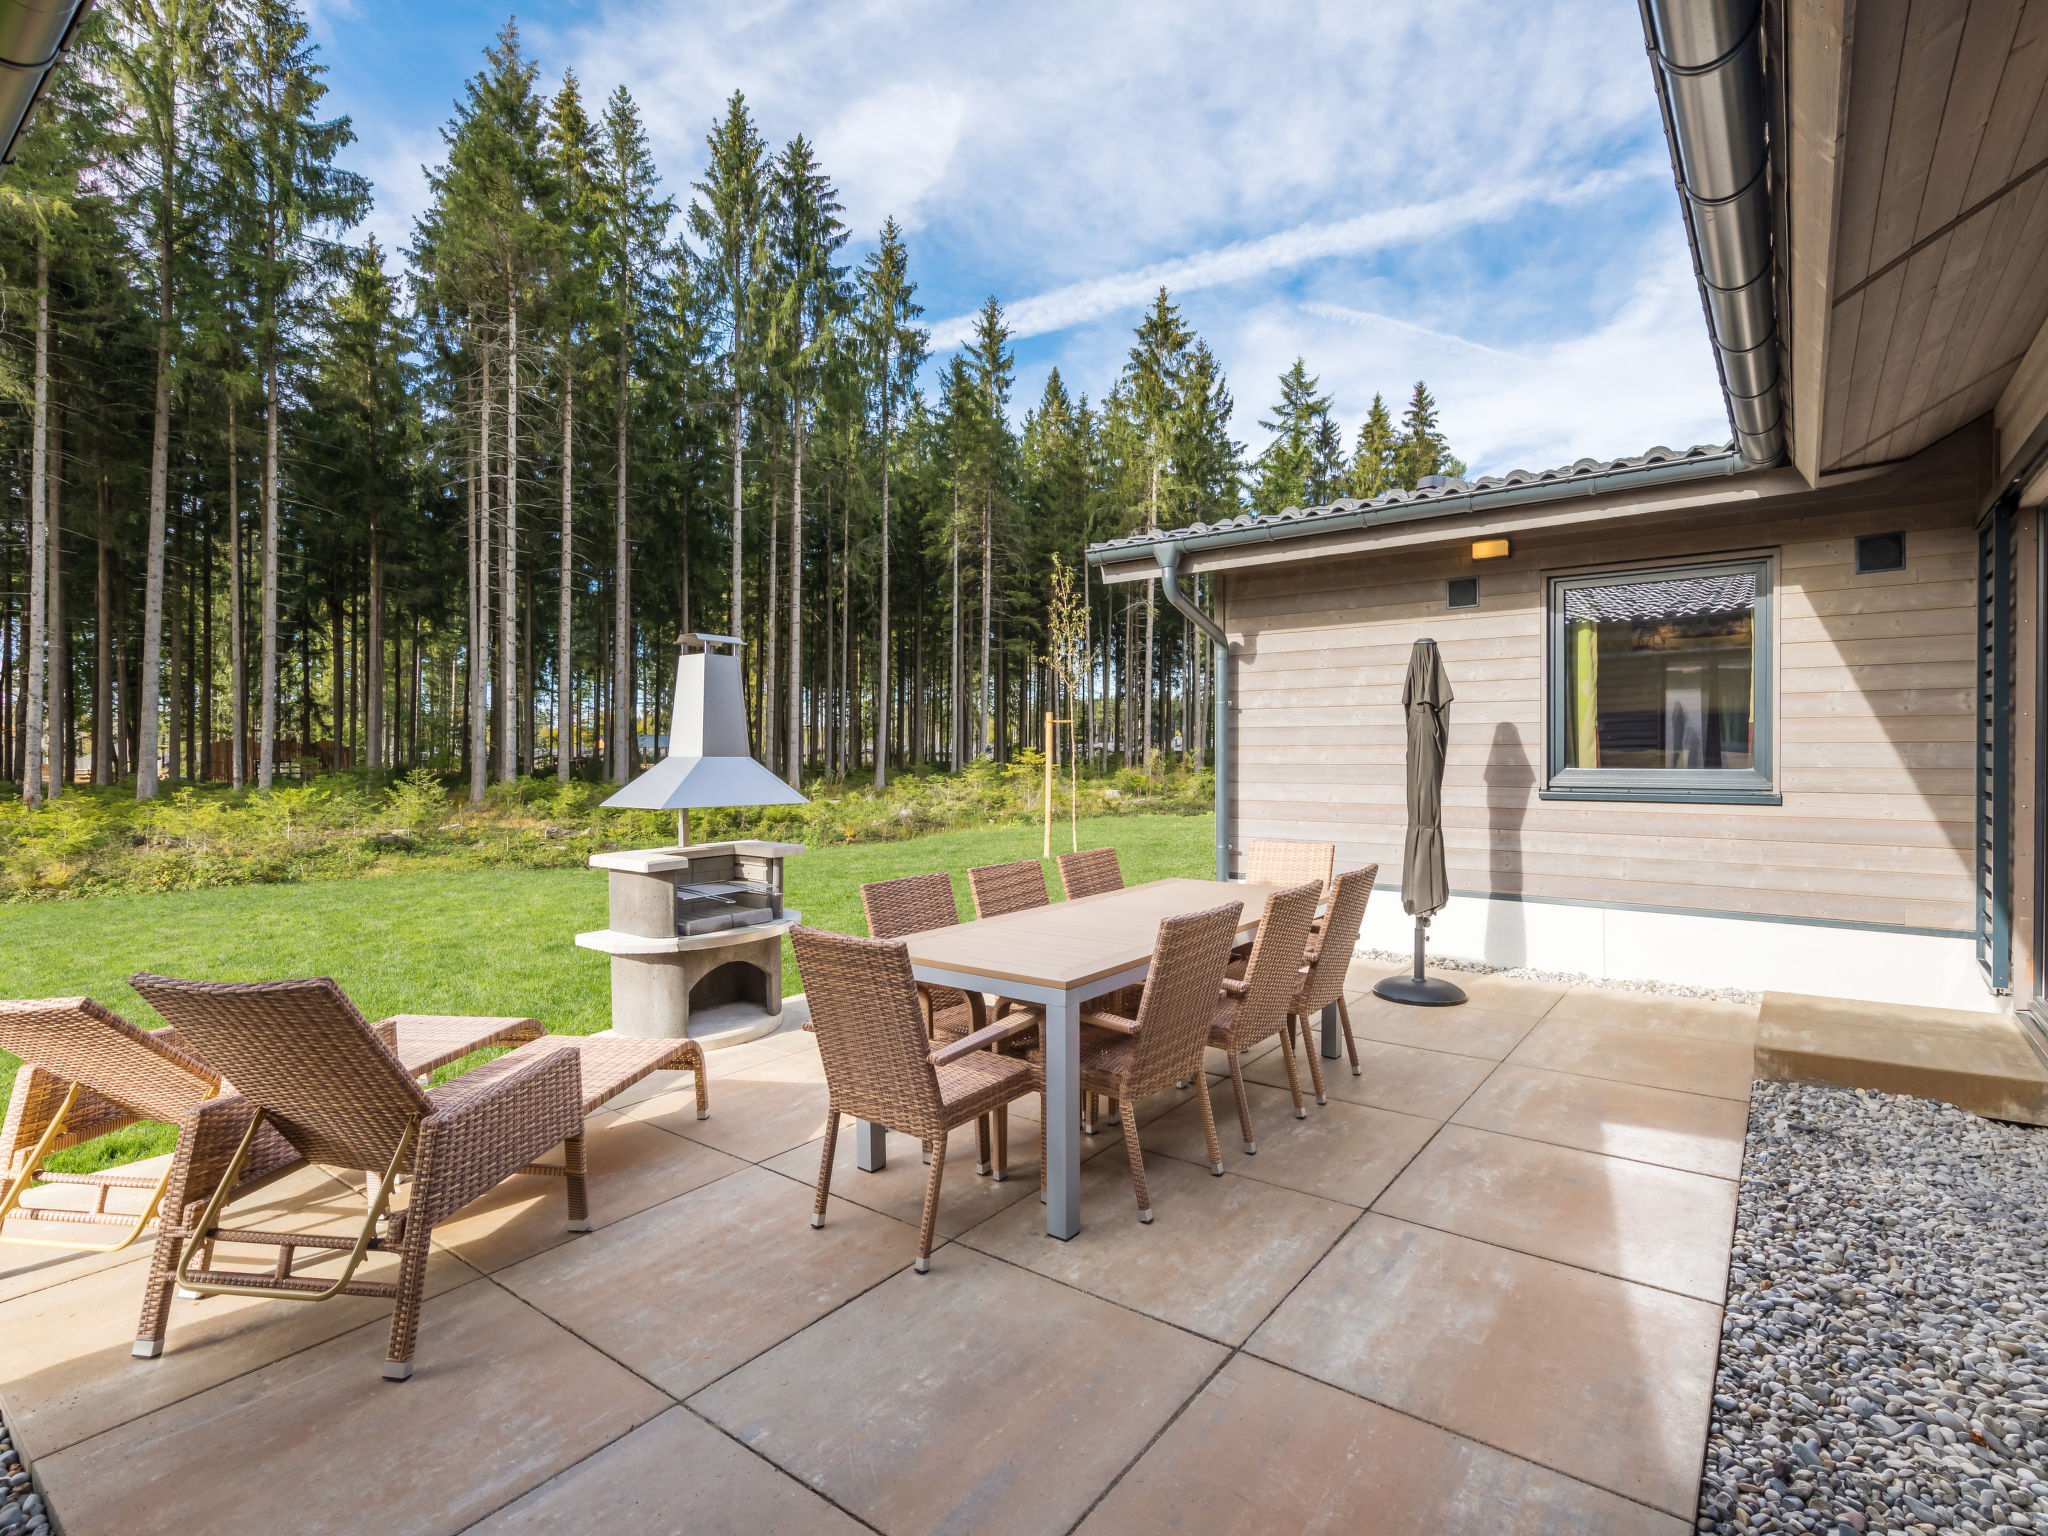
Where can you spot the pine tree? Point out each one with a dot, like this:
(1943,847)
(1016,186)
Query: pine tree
(1326,470)
(729,220)
(1285,466)
(809,301)
(1421,449)
(895,346)
(163,60)
(994,366)
(1372,465)
(632,223)
(280,165)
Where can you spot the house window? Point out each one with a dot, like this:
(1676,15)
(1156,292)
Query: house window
(1660,684)
(1461,592)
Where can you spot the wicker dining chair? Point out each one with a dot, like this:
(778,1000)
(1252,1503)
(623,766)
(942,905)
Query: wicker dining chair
(1125,1059)
(1271,862)
(1259,1004)
(1004,888)
(917,904)
(880,1065)
(1327,959)
(306,1066)
(1091,872)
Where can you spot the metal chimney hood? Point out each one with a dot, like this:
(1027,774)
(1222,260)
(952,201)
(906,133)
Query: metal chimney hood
(709,762)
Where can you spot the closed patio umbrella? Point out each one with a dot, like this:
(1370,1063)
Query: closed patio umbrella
(1425,886)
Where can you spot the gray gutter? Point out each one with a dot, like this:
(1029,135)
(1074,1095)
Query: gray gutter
(1168,556)
(32,40)
(1372,515)
(1707,57)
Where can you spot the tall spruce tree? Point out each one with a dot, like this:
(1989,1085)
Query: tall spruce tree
(1372,464)
(729,218)
(895,346)
(994,366)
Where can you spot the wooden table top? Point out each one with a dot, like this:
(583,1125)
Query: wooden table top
(1071,943)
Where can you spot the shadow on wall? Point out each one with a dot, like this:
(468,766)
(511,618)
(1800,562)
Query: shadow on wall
(1510,781)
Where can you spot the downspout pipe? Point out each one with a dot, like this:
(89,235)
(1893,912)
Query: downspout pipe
(1708,60)
(1168,556)
(32,40)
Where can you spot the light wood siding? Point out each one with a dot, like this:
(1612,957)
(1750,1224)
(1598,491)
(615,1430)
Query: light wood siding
(1873,698)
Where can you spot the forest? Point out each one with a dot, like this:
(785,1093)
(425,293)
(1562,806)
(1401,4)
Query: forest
(284,503)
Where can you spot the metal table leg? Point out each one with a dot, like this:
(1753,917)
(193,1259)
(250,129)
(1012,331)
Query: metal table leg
(870,1146)
(1062,1118)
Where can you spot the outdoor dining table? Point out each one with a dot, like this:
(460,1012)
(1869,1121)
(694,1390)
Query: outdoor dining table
(1059,957)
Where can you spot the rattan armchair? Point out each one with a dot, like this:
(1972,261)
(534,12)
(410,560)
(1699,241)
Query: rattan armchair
(918,904)
(1259,1004)
(881,1066)
(1091,872)
(1124,1058)
(1269,862)
(1327,959)
(1004,888)
(308,1069)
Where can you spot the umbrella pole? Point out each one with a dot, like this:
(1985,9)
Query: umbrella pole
(1419,990)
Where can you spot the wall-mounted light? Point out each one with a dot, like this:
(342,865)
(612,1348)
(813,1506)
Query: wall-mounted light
(1489,549)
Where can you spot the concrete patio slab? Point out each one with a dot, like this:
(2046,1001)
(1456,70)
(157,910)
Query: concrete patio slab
(1343,1152)
(1693,1131)
(979,1397)
(1403,1077)
(704,1283)
(965,1197)
(1603,1380)
(1657,1226)
(1704,1018)
(757,1112)
(502,1400)
(1495,993)
(1981,1062)
(672,1474)
(1655,1058)
(1488,1033)
(1261,1449)
(631,1166)
(1216,1259)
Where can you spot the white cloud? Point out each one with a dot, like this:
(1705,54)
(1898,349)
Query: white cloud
(892,148)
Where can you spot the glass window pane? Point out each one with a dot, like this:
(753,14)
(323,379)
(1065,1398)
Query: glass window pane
(1661,673)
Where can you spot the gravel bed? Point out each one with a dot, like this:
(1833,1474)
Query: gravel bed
(21,1510)
(1884,1359)
(1568,978)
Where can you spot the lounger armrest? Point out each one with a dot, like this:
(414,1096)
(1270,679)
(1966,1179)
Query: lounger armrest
(490,1123)
(1102,1018)
(989,1035)
(207,1138)
(1234,986)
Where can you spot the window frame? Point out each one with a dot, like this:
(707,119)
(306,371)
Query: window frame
(1755,785)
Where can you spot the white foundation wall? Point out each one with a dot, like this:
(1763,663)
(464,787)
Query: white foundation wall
(1620,944)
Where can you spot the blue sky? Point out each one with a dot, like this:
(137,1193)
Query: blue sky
(1477,195)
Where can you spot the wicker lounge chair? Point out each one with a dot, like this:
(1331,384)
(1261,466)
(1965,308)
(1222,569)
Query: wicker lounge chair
(1091,872)
(1260,1003)
(1004,888)
(1327,959)
(880,1065)
(1124,1059)
(310,1075)
(86,1071)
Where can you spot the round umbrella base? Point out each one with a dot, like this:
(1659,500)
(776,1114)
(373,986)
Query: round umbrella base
(1428,992)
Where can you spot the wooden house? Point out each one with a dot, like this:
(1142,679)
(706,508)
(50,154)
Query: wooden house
(1763,715)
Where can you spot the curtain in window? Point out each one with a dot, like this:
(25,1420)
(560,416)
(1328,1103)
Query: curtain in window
(1585,700)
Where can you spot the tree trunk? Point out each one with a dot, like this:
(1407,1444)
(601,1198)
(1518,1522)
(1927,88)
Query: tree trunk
(238,624)
(955,711)
(738,453)
(882,627)
(175,757)
(103,654)
(621,733)
(771,732)
(149,702)
(795,759)
(508,558)
(987,699)
(480,638)
(565,697)
(266,746)
(373,655)
(38,541)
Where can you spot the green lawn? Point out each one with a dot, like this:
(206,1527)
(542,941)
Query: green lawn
(490,942)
